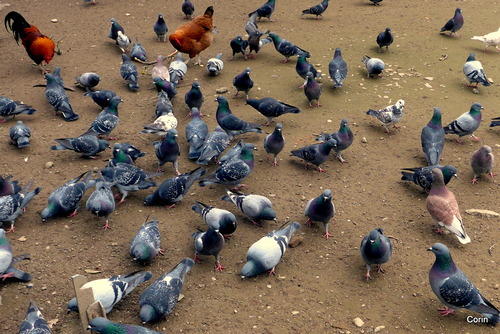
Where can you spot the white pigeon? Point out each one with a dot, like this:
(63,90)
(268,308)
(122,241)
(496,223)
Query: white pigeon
(491,39)
(123,41)
(215,65)
(390,115)
(161,125)
(177,69)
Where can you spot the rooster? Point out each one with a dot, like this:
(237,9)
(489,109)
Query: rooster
(194,36)
(39,47)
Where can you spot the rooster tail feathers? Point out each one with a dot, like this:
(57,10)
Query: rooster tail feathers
(16,23)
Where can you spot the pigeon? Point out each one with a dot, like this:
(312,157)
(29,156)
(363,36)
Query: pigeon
(215,218)
(168,150)
(106,120)
(474,72)
(251,25)
(100,97)
(109,291)
(385,38)
(58,99)
(177,69)
(454,24)
(160,28)
(194,97)
(172,190)
(64,201)
(255,207)
(8,187)
(127,178)
(88,145)
(12,206)
(337,69)
(320,209)
(315,154)
(128,72)
(390,115)
(234,151)
(376,2)
(88,80)
(482,162)
(317,10)
(113,30)
(101,202)
(159,299)
(266,253)
(266,10)
(374,66)
(286,48)
(215,143)
(145,245)
(164,106)
(274,143)
(20,134)
(443,207)
(162,124)
(166,86)
(10,108)
(119,155)
(137,52)
(272,108)
(375,248)
(210,242)
(58,78)
(122,41)
(255,43)
(187,9)
(422,176)
(160,70)
(312,90)
(303,67)
(215,65)
(242,82)
(231,123)
(344,138)
(466,123)
(129,149)
(432,138)
(7,261)
(34,323)
(105,326)
(234,171)
(238,45)
(491,39)
(196,133)
(454,289)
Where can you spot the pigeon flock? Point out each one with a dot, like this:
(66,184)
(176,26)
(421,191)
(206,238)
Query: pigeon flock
(224,172)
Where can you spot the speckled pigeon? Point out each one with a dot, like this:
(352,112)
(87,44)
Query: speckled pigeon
(390,115)
(145,245)
(272,108)
(231,123)
(88,145)
(129,72)
(210,242)
(482,162)
(274,143)
(12,206)
(432,138)
(312,90)
(454,24)
(337,69)
(374,66)
(219,219)
(286,48)
(242,82)
(315,154)
(106,120)
(34,322)
(317,10)
(105,326)
(255,207)
(422,176)
(101,202)
(7,261)
(384,39)
(160,28)
(20,134)
(375,248)
(100,97)
(168,150)
(163,105)
(10,108)
(215,143)
(474,72)
(58,99)
(196,133)
(466,123)
(344,138)
(266,10)
(320,209)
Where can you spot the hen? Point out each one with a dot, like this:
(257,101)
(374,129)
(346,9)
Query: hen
(195,36)
(39,47)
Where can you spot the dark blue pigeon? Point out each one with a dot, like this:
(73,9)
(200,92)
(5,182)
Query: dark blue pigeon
(315,154)
(7,261)
(10,108)
(160,28)
(113,30)
(337,69)
(58,99)
(454,24)
(196,133)
(215,65)
(317,10)
(238,45)
(88,145)
(495,122)
(159,299)
(166,86)
(384,39)
(231,123)
(106,120)
(255,207)
(474,72)
(266,10)
(312,90)
(422,176)
(242,82)
(210,242)
(374,66)
(215,143)
(344,138)
(274,143)
(272,108)
(286,48)
(128,72)
(137,52)
(145,245)
(188,9)
(194,97)
(163,104)
(168,150)
(101,202)
(320,209)
(34,323)
(8,187)
(432,138)
(100,97)
(454,289)
(12,206)
(88,80)
(20,134)
(375,248)
(218,219)
(105,326)
(466,123)
(303,66)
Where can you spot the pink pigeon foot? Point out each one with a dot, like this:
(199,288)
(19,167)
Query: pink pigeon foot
(474,180)
(327,235)
(367,276)
(492,174)
(475,138)
(445,311)
(256,224)
(271,272)
(171,206)
(219,267)
(321,170)
(5,276)
(196,259)
(459,141)
(73,214)
(11,229)
(112,138)
(106,226)
(380,270)
(308,223)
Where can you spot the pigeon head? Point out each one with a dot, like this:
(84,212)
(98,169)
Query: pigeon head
(327,195)
(147,313)
(141,252)
(472,57)
(387,30)
(443,257)
(222,100)
(114,102)
(171,135)
(149,200)
(279,127)
(436,118)
(251,269)
(276,39)
(475,109)
(73,305)
(125,57)
(195,113)
(448,173)
(103,144)
(337,53)
(268,214)
(50,78)
(374,235)
(400,104)
(196,84)
(101,325)
(48,212)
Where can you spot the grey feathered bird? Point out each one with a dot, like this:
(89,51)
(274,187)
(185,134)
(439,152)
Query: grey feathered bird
(230,122)
(7,261)
(177,69)
(482,162)
(385,39)
(242,82)
(286,48)
(422,176)
(218,219)
(107,120)
(320,209)
(210,242)
(272,108)
(34,323)
(215,143)
(12,206)
(215,65)
(390,115)
(234,151)
(145,245)
(100,97)
(266,10)
(88,80)
(454,24)
(160,28)
(138,52)
(344,138)
(274,143)
(8,187)
(194,97)
(375,248)
(58,99)
(129,72)
(432,138)
(466,123)
(10,108)
(312,90)
(317,10)
(20,134)
(255,207)
(374,66)
(474,72)
(166,86)
(454,289)
(303,66)
(337,69)
(196,133)
(101,202)
(105,326)
(315,154)
(88,145)
(163,105)
(168,150)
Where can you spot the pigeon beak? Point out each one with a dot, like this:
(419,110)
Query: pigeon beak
(455,175)
(242,277)
(429,249)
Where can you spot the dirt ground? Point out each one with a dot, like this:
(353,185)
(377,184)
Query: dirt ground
(319,286)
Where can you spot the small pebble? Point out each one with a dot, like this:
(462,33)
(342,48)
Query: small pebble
(363,140)
(378,329)
(53,20)
(358,322)
(222,90)
(475,90)
(49,164)
(295,312)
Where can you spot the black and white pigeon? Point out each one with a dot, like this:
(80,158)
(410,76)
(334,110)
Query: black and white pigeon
(272,108)
(8,187)
(196,133)
(454,24)
(286,48)
(266,10)
(113,30)
(481,162)
(337,69)
(274,143)
(138,52)
(390,115)
(7,261)
(164,105)
(255,207)
(208,243)
(10,108)
(265,254)
(88,145)
(106,120)
(320,209)
(238,45)
(312,90)
(177,69)
(129,72)
(385,39)
(454,289)
(105,326)
(34,322)
(343,136)
(88,80)
(58,99)
(173,190)
(101,202)
(219,219)
(109,291)
(315,154)
(215,65)
(375,248)
(127,177)
(243,83)
(466,123)
(374,66)
(20,134)
(123,42)
(432,139)
(64,201)
(317,10)
(215,143)
(422,176)
(194,97)
(162,124)
(168,150)
(160,28)
(474,72)
(145,245)
(230,122)
(160,298)
(12,206)
(100,97)
(188,9)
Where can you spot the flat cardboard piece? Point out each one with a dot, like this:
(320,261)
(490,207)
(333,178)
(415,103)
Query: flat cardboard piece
(87,306)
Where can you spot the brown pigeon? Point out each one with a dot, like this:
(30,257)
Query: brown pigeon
(443,207)
(482,162)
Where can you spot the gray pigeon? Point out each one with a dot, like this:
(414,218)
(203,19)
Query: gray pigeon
(454,24)
(106,120)
(315,154)
(255,207)
(20,134)
(303,66)
(8,187)
(312,90)
(266,253)
(88,80)
(64,200)
(274,143)
(466,123)
(432,138)
(58,99)
(110,291)
(163,104)
(320,209)
(196,133)
(128,72)
(160,28)
(454,289)
(145,245)
(218,219)
(12,206)
(168,150)
(474,72)
(344,138)
(266,10)
(384,39)
(177,69)
(159,299)
(482,162)
(10,108)
(390,115)
(422,176)
(286,48)
(234,151)
(88,145)
(317,10)
(7,261)
(101,202)
(374,66)
(34,323)
(215,143)
(100,97)
(375,248)
(231,123)
(243,83)
(210,242)
(495,122)
(137,52)
(337,69)
(194,97)
(215,65)
(272,108)
(105,326)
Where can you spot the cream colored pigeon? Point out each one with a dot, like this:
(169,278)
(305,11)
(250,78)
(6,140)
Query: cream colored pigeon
(491,39)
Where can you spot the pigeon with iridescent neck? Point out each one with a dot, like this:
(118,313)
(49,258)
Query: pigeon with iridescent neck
(210,242)
(474,72)
(337,69)
(315,154)
(375,248)
(454,24)
(466,123)
(422,176)
(344,138)
(230,122)
(145,245)
(432,139)
(320,209)
(274,143)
